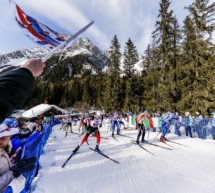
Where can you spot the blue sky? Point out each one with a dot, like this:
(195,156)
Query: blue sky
(125,18)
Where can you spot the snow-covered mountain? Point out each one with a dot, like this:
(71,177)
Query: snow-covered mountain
(83,56)
(94,58)
(14,58)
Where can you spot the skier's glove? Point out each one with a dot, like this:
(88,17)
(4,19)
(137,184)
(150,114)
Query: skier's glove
(24,166)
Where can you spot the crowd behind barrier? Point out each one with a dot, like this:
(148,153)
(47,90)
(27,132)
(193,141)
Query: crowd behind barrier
(33,148)
(203,129)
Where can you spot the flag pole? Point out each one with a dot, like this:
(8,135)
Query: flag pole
(51,53)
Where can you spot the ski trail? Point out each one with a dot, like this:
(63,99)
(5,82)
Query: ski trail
(186,170)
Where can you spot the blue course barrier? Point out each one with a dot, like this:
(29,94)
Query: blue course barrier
(31,149)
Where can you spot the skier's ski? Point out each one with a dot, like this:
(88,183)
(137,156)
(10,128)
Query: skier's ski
(114,138)
(156,135)
(72,154)
(167,144)
(103,137)
(158,146)
(62,126)
(75,133)
(125,136)
(176,143)
(135,143)
(99,152)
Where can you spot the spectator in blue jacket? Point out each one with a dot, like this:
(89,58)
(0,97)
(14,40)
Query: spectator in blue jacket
(188,122)
(213,126)
(212,123)
(177,122)
(198,123)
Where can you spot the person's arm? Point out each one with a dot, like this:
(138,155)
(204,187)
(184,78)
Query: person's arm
(16,85)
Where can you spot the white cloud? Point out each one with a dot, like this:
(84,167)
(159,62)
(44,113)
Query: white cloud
(66,15)
(133,19)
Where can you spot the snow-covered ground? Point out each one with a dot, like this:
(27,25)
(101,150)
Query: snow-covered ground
(185,169)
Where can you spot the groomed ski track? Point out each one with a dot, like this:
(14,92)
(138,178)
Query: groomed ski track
(181,170)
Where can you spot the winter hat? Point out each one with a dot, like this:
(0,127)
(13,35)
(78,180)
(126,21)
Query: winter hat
(187,114)
(146,112)
(6,130)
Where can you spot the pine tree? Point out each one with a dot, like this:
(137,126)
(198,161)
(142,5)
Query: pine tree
(198,73)
(151,79)
(165,40)
(147,60)
(174,60)
(130,79)
(113,82)
(130,58)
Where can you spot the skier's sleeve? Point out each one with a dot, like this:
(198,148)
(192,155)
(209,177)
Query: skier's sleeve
(15,86)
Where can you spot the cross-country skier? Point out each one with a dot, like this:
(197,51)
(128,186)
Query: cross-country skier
(92,128)
(121,122)
(68,124)
(115,123)
(165,122)
(81,125)
(85,123)
(140,126)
